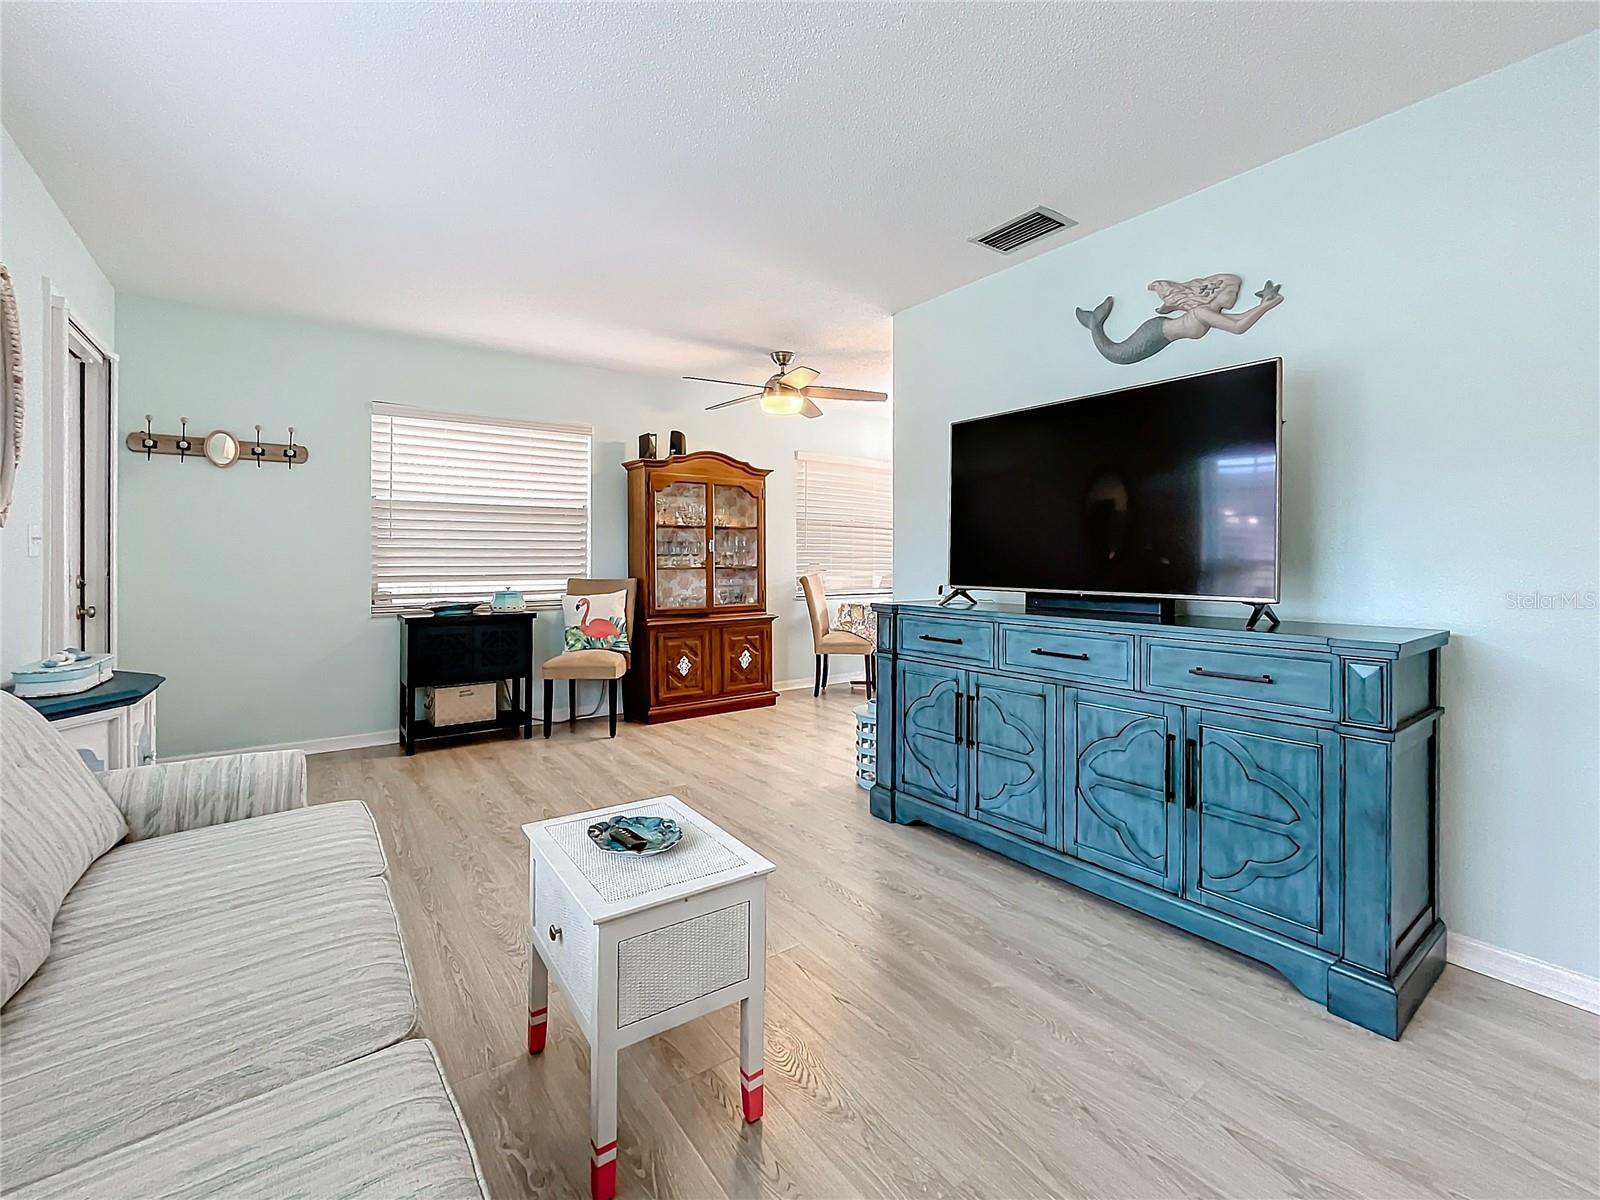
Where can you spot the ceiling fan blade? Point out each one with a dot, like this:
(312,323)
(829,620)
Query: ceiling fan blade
(798,378)
(833,393)
(735,400)
(729,382)
(809,409)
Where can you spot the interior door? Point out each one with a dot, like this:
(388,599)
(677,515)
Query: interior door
(88,501)
(1263,824)
(1012,736)
(1124,811)
(932,759)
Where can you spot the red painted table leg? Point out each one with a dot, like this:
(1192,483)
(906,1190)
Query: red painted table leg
(752,1091)
(603,1171)
(752,1055)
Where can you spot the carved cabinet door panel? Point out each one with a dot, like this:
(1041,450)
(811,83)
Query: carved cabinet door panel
(1263,837)
(442,654)
(681,664)
(502,648)
(1014,738)
(745,655)
(931,758)
(1124,812)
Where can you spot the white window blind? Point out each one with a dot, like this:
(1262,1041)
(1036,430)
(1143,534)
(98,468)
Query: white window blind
(845,522)
(464,506)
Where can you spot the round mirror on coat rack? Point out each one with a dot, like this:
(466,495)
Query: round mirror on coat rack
(222,448)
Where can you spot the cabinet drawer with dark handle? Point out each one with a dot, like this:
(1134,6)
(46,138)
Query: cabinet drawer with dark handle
(1257,679)
(1063,654)
(951,640)
(1230,675)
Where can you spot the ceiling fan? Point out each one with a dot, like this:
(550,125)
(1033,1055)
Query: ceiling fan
(790,391)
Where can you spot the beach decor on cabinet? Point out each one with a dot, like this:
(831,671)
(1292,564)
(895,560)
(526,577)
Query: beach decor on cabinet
(1187,311)
(65,673)
(10,393)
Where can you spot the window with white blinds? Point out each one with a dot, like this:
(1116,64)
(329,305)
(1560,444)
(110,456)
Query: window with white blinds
(845,522)
(464,506)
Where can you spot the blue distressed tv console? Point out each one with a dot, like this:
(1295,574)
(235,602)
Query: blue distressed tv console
(1275,791)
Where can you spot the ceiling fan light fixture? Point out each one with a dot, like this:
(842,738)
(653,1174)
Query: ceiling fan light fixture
(781,400)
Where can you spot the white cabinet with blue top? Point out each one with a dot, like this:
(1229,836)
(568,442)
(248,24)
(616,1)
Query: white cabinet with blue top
(111,726)
(1275,791)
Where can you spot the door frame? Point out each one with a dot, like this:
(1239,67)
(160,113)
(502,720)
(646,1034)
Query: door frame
(67,335)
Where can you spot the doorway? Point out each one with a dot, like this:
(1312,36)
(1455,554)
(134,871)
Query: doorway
(80,487)
(88,495)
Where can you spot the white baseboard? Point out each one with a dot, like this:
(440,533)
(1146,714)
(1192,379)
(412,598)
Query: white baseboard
(327,745)
(1529,974)
(844,677)
(381,737)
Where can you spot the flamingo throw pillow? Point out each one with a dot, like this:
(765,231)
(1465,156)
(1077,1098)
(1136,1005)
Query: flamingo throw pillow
(596,622)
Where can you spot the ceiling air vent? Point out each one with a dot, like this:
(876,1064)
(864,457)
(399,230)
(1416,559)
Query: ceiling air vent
(1029,227)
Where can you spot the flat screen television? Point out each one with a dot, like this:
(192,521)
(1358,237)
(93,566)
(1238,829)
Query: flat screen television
(1166,490)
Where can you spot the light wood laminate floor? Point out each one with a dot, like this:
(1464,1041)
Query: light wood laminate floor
(940,1022)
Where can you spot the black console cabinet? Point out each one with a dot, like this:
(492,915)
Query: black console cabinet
(450,651)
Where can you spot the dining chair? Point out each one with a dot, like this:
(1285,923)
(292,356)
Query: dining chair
(825,640)
(607,665)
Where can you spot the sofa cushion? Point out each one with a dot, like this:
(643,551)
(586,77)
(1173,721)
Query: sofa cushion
(137,886)
(55,820)
(382,1127)
(124,1039)
(173,797)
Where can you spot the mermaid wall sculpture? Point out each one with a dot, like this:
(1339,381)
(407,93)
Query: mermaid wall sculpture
(1199,305)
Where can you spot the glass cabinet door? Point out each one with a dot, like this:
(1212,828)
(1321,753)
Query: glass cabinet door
(680,549)
(736,546)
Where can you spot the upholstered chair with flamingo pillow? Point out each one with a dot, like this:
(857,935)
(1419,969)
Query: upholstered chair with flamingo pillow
(586,658)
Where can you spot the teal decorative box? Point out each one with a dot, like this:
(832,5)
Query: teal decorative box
(508,600)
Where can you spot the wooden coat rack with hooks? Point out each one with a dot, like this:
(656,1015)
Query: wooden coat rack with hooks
(219,447)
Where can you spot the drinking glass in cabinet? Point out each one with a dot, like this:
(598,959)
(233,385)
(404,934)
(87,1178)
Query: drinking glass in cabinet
(681,505)
(680,547)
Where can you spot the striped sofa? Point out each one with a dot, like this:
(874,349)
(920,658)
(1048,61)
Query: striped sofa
(204,989)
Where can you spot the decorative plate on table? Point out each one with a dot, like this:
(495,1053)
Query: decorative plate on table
(634,833)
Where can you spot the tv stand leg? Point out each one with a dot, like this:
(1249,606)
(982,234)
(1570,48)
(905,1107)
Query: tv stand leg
(1257,611)
(972,601)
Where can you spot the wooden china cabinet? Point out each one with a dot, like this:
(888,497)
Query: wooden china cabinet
(697,544)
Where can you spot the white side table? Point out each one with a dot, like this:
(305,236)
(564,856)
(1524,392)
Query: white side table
(110,726)
(642,944)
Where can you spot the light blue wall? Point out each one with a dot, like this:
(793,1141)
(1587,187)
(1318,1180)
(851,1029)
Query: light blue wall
(1439,337)
(37,243)
(249,587)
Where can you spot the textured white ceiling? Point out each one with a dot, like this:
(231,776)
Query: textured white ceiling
(675,187)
